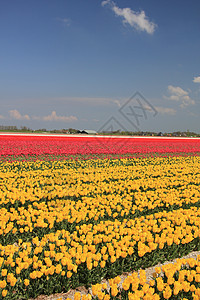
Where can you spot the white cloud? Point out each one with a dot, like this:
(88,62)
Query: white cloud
(165,110)
(96,101)
(177,91)
(64,21)
(15,114)
(103,3)
(2,117)
(137,20)
(180,95)
(196,79)
(53,117)
(117,102)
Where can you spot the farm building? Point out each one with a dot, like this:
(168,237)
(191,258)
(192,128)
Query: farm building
(89,131)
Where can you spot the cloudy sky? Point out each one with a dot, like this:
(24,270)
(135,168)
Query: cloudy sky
(129,65)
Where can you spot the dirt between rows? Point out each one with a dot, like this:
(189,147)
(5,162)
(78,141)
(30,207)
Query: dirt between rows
(83,290)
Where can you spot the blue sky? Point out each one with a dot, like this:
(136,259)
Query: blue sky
(89,64)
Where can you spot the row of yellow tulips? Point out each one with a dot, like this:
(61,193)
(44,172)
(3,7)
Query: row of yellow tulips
(172,281)
(85,195)
(65,223)
(93,250)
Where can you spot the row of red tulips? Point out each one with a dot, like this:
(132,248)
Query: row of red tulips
(65,146)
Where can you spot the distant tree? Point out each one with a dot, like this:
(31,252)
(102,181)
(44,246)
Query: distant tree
(72,130)
(24,128)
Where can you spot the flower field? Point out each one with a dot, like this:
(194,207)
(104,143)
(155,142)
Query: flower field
(43,147)
(183,276)
(75,210)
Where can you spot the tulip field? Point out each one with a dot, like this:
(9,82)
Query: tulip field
(76,210)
